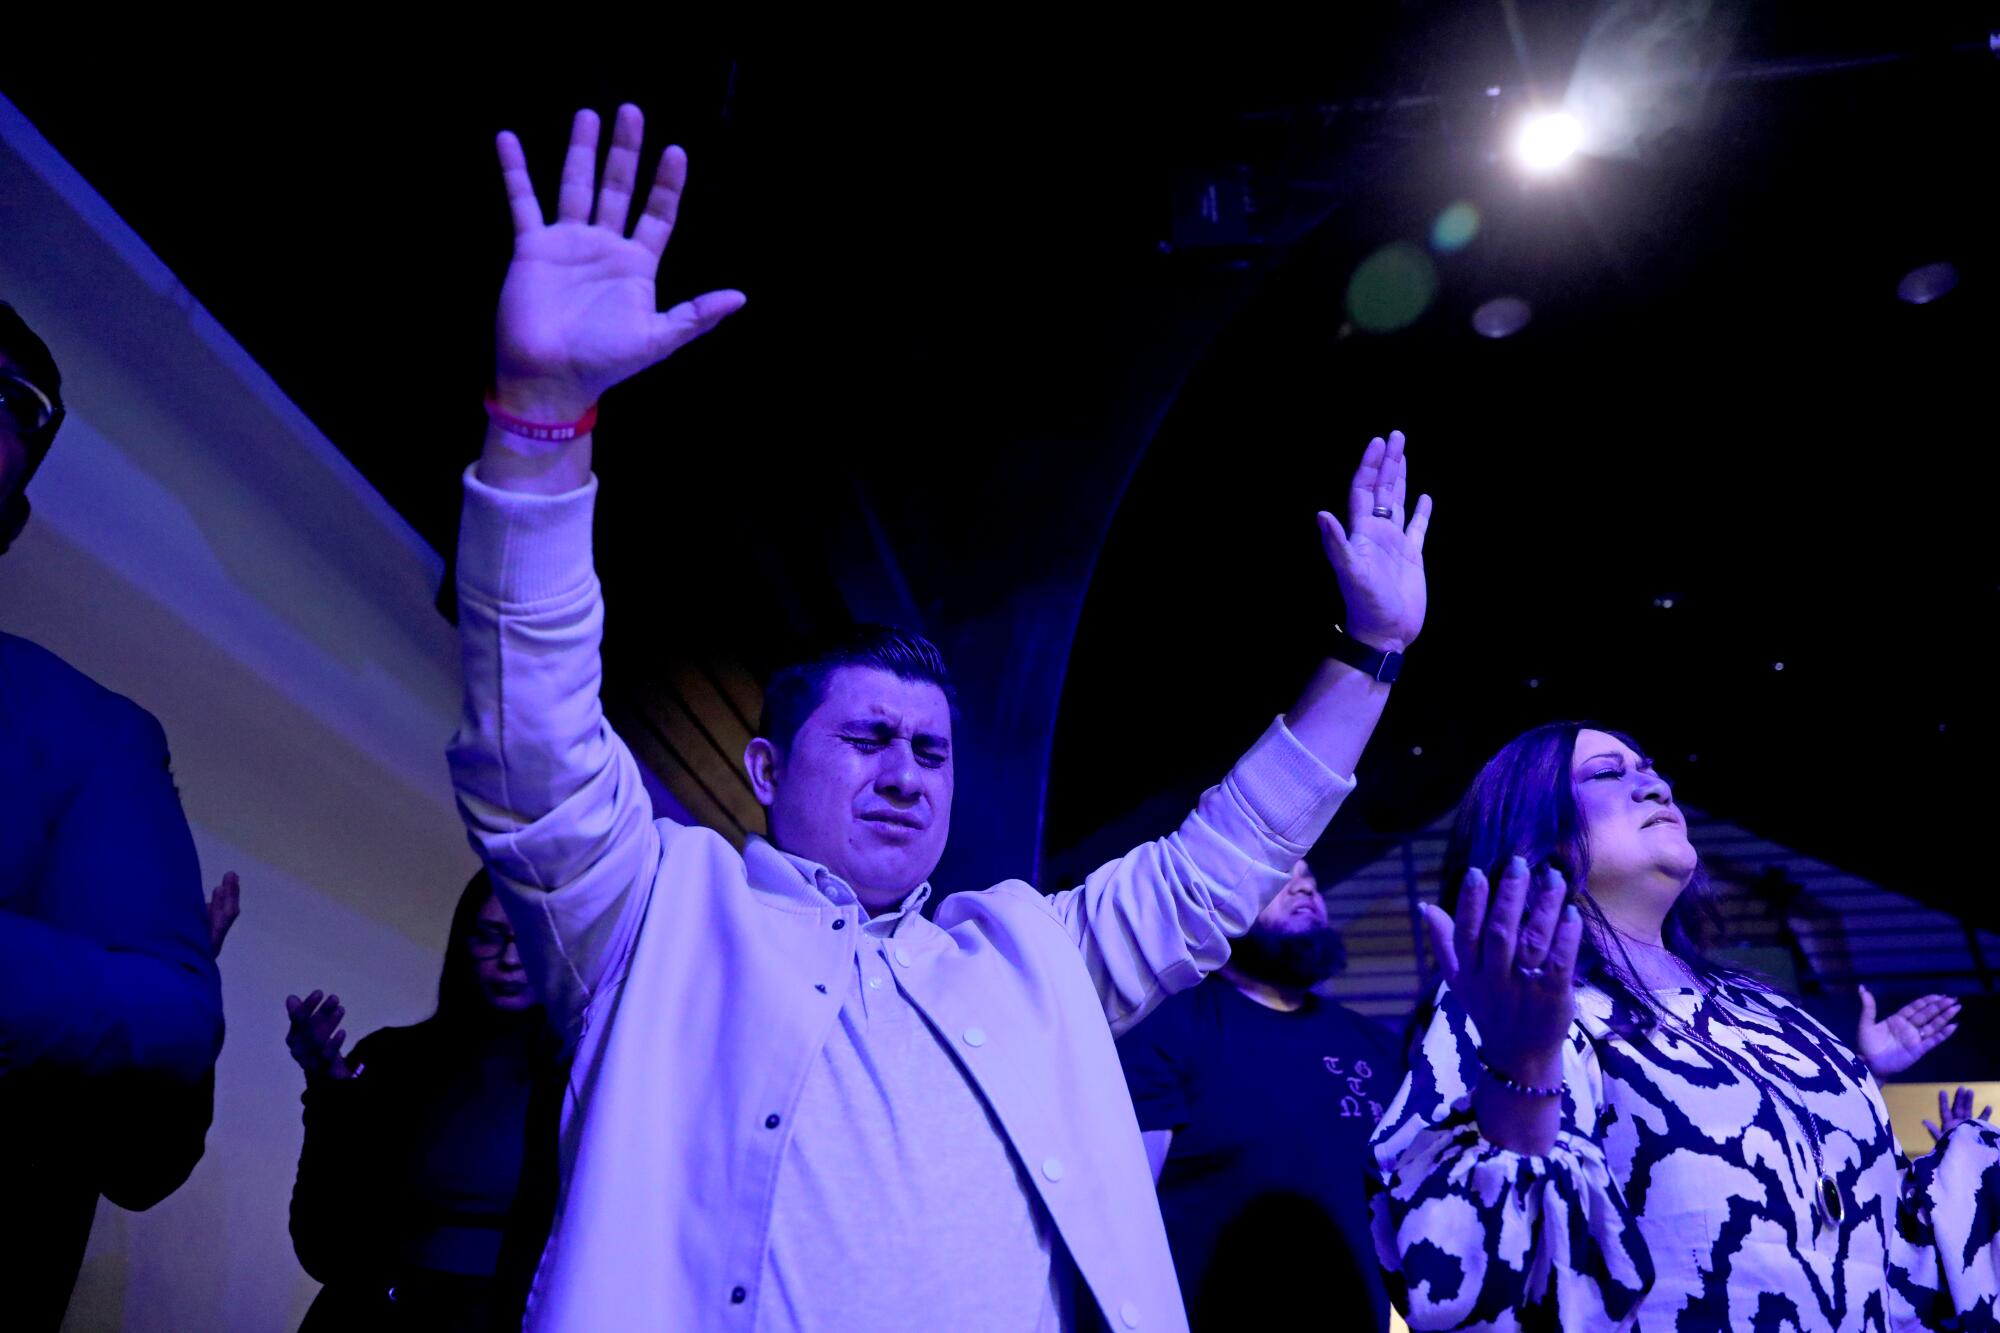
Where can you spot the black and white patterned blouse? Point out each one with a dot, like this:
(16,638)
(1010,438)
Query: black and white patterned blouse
(1682,1192)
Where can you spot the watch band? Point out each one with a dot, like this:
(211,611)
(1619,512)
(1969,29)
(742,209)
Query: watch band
(1383,665)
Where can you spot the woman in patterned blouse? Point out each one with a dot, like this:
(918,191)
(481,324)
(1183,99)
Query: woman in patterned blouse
(1601,1129)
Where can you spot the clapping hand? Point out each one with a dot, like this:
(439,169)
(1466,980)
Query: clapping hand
(315,1037)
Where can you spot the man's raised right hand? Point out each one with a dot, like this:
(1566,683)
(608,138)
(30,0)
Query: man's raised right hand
(579,310)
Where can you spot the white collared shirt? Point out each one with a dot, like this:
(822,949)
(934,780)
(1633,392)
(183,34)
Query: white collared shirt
(894,1152)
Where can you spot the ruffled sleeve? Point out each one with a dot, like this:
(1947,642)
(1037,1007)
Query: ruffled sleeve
(1945,1260)
(1474,1236)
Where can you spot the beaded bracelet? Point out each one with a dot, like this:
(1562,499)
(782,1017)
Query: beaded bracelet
(1517,1088)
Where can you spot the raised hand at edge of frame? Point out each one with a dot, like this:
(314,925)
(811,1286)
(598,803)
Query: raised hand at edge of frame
(1954,1113)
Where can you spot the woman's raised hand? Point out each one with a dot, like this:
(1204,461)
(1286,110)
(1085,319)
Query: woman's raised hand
(1510,956)
(1953,1113)
(1893,1044)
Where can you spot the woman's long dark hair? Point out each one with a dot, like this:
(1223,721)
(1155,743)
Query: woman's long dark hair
(1523,803)
(460,1002)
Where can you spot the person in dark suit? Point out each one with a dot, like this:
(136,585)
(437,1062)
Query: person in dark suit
(110,1005)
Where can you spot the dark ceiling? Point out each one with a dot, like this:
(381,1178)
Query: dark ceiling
(1719,403)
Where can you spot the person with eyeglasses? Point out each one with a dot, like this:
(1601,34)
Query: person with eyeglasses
(110,1004)
(429,1158)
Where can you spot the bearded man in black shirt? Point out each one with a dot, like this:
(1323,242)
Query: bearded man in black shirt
(1256,1097)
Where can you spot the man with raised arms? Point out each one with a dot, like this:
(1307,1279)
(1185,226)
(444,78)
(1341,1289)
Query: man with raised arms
(796,1102)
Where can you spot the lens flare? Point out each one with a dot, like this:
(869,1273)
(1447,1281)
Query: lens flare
(1391,288)
(1502,317)
(1921,286)
(1455,228)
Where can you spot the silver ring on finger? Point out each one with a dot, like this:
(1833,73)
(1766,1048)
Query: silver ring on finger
(1531,973)
(1382,511)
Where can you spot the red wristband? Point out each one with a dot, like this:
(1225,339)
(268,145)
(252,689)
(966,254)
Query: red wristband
(537,430)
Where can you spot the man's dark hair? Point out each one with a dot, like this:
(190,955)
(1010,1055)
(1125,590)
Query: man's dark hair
(31,356)
(798,686)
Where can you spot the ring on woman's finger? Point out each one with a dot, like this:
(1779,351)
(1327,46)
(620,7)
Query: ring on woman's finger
(1529,972)
(1381,511)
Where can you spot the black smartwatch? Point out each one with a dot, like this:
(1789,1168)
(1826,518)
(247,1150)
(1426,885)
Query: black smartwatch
(1382,665)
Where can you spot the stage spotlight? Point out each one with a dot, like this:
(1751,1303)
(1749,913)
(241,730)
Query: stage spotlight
(1547,139)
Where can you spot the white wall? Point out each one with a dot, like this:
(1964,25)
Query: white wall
(199,546)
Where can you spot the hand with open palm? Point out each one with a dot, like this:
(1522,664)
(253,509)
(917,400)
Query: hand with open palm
(1509,953)
(579,308)
(1895,1043)
(1955,1112)
(1378,554)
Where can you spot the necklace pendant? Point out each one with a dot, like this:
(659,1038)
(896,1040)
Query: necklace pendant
(1829,1193)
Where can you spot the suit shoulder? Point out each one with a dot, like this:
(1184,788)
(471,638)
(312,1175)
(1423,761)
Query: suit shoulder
(66,697)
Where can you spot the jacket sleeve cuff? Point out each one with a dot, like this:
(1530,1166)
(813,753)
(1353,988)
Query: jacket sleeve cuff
(1287,787)
(516,548)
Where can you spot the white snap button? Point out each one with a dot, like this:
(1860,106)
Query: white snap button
(902,955)
(874,983)
(1052,1167)
(975,1036)
(1128,1314)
